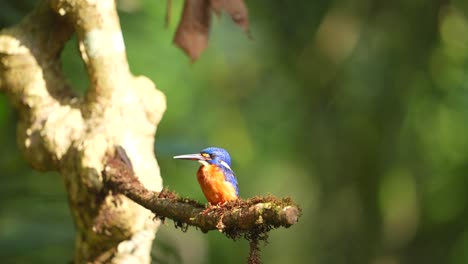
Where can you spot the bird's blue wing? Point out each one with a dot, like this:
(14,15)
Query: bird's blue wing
(229,177)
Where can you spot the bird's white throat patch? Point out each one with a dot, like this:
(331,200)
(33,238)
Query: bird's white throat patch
(203,162)
(224,164)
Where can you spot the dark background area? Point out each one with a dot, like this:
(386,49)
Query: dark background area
(356,109)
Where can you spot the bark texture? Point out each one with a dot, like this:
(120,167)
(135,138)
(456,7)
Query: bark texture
(234,218)
(58,131)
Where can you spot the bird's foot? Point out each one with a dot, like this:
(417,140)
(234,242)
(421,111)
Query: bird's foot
(213,207)
(220,205)
(204,212)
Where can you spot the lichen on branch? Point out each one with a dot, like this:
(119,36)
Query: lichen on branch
(235,219)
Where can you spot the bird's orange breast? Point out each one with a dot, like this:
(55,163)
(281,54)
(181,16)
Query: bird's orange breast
(214,186)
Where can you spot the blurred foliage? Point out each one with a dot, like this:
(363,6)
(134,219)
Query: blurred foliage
(356,109)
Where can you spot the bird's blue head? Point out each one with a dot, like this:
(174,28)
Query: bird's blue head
(212,155)
(216,155)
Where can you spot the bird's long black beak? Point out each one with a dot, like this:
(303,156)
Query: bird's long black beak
(197,156)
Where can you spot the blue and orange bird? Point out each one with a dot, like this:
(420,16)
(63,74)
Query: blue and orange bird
(215,176)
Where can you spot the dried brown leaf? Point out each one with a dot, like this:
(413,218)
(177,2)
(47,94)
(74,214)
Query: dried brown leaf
(193,30)
(194,26)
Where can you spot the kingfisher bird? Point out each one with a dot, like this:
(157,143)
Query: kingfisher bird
(215,176)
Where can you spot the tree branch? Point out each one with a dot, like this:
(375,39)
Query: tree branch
(101,44)
(30,74)
(234,219)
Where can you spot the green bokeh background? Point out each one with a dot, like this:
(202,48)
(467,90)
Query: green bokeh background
(356,109)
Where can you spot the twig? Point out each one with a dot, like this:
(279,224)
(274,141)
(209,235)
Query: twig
(234,219)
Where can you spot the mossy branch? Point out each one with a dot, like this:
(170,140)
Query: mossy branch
(252,218)
(235,219)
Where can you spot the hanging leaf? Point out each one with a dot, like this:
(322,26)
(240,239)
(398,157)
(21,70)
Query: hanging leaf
(193,30)
(194,27)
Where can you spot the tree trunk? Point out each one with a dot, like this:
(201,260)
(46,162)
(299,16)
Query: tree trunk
(58,131)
